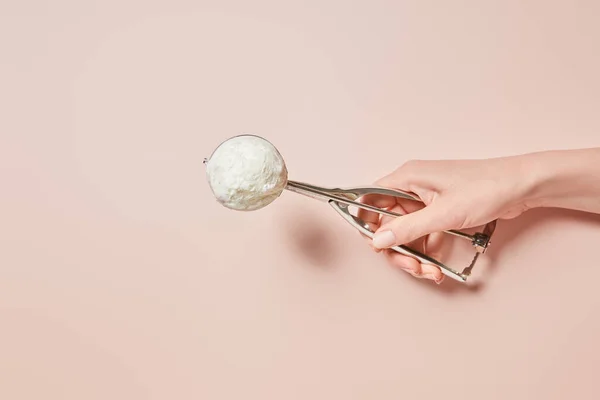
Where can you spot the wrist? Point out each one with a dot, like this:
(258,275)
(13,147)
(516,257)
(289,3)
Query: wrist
(544,179)
(563,179)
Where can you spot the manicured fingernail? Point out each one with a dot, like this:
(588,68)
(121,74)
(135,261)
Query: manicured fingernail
(383,240)
(439,281)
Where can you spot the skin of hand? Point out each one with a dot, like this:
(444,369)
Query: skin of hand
(462,194)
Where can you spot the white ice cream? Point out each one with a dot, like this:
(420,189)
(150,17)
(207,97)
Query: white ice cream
(246,173)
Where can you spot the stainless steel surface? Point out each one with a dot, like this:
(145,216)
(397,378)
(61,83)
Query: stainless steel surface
(349,197)
(341,199)
(361,226)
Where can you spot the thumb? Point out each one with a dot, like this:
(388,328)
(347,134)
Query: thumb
(435,217)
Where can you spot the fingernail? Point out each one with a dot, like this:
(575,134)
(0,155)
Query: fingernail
(439,281)
(415,274)
(414,271)
(383,240)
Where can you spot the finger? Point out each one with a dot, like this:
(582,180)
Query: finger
(403,207)
(406,263)
(370,242)
(398,209)
(433,244)
(395,204)
(432,272)
(372,218)
(413,267)
(378,200)
(375,200)
(436,217)
(410,206)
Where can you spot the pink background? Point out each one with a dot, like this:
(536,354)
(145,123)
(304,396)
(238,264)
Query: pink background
(121,278)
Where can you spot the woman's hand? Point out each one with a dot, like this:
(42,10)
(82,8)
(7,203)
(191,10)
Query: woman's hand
(465,194)
(457,195)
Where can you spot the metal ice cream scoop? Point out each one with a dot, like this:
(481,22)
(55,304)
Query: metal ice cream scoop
(341,199)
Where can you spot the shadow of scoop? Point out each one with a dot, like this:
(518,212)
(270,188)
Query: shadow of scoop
(310,239)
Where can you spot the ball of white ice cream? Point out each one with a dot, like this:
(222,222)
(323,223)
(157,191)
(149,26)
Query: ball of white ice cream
(246,173)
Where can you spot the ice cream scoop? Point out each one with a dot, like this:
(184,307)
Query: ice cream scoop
(247,173)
